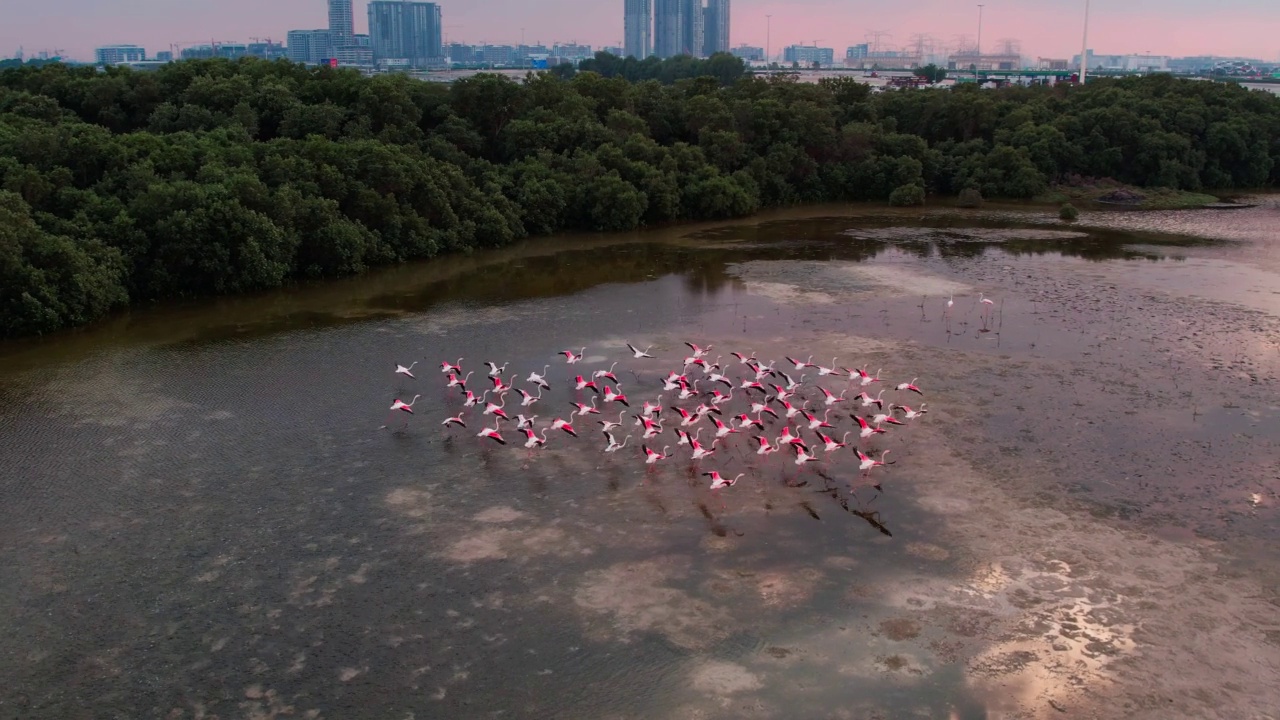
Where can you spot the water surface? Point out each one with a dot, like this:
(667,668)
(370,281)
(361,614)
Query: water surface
(200,516)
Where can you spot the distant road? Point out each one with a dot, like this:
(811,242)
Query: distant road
(1273,88)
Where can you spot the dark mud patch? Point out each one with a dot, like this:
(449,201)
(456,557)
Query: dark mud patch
(899,629)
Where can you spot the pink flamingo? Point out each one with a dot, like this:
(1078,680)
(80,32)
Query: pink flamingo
(492,433)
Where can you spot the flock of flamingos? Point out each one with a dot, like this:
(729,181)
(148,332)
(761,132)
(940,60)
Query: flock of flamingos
(757,399)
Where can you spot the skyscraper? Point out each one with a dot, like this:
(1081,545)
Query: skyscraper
(406,32)
(637,24)
(342,23)
(668,27)
(691,36)
(309,46)
(716,27)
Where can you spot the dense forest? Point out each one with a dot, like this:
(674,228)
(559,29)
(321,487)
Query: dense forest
(212,177)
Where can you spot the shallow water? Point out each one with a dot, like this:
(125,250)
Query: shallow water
(199,515)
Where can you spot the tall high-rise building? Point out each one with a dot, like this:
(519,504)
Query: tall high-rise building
(406,32)
(638,28)
(716,27)
(308,46)
(668,27)
(692,35)
(342,24)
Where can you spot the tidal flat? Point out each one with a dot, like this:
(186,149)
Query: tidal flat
(200,516)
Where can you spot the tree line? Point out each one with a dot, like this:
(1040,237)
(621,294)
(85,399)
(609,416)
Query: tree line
(212,177)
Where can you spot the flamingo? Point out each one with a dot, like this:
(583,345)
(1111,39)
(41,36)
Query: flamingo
(527,398)
(686,391)
(539,380)
(609,424)
(829,370)
(494,370)
(831,444)
(648,409)
(750,385)
(492,433)
(792,410)
(718,482)
(402,370)
(611,395)
(455,382)
(987,306)
(523,422)
(605,373)
(651,429)
(584,410)
(913,414)
(800,365)
(581,383)
(456,367)
(803,457)
(491,409)
(792,384)
(910,386)
(640,353)
(881,418)
(781,393)
(866,462)
(745,421)
(744,359)
(868,401)
(500,387)
(723,430)
(700,452)
(688,417)
(472,400)
(951,301)
(405,406)
(786,437)
(765,448)
(614,445)
(762,407)
(559,424)
(866,379)
(570,358)
(716,377)
(697,351)
(532,440)
(652,457)
(763,369)
(815,423)
(456,419)
(704,409)
(833,399)
(718,397)
(867,430)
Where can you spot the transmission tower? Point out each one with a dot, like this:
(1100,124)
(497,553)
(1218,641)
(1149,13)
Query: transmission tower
(876,38)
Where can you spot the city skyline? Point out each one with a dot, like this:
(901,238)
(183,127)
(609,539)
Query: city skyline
(1042,27)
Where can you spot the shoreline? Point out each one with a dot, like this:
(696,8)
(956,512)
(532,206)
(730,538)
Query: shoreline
(375,287)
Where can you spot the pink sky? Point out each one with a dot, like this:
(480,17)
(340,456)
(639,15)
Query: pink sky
(1049,28)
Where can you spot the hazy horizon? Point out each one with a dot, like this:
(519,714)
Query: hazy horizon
(1044,28)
